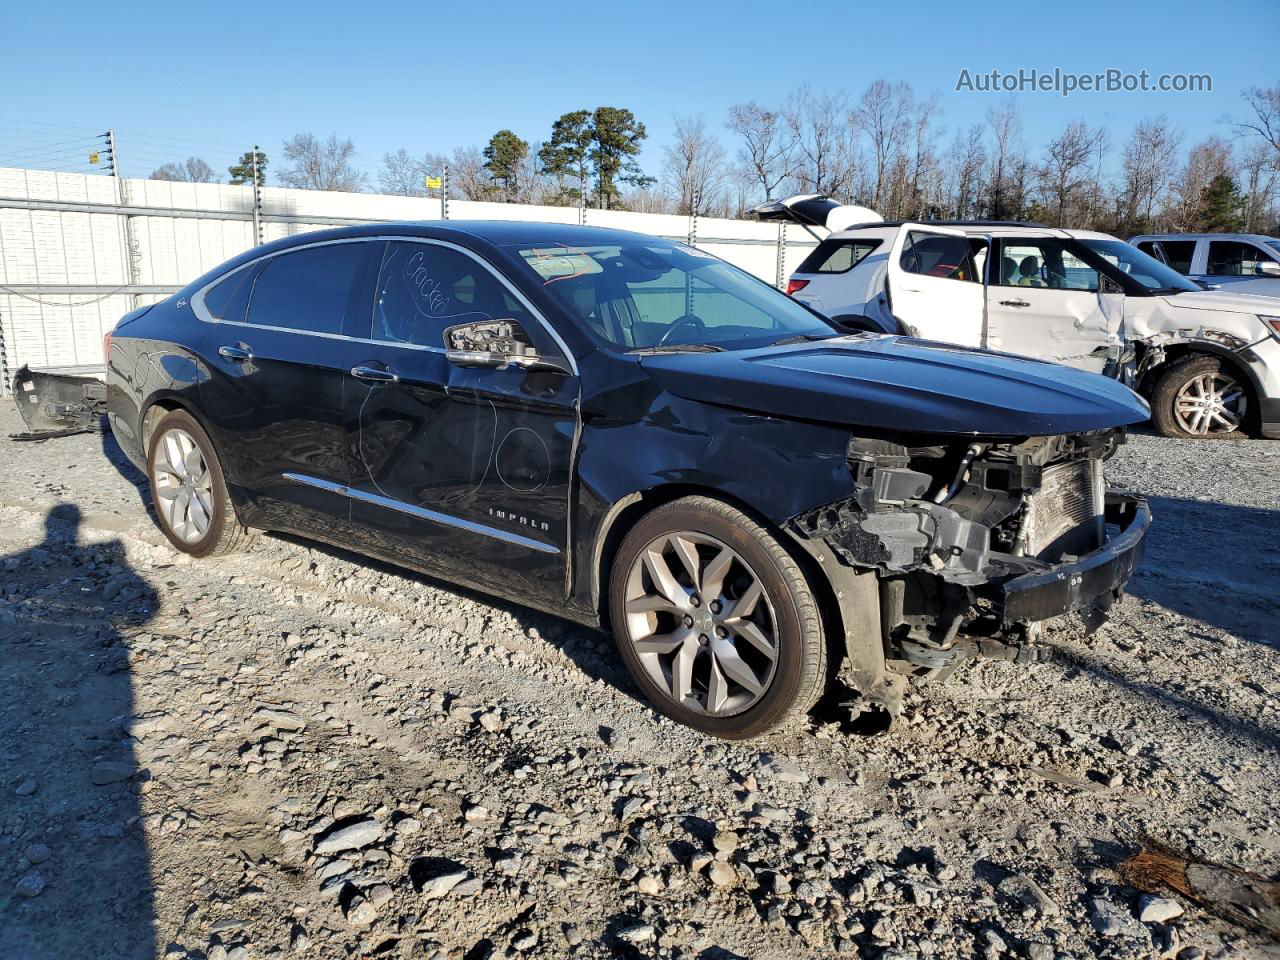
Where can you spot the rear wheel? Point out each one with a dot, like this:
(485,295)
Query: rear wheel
(1200,397)
(715,620)
(188,490)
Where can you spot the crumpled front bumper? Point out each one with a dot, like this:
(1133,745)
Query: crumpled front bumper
(1094,579)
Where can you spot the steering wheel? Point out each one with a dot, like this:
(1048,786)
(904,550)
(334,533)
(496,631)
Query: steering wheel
(688,320)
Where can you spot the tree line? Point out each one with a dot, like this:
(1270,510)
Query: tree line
(887,149)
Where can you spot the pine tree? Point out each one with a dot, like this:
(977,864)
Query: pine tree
(1221,206)
(567,153)
(242,172)
(616,136)
(503,158)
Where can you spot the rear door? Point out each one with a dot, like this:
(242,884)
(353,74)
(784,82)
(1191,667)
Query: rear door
(1042,301)
(457,467)
(278,360)
(935,285)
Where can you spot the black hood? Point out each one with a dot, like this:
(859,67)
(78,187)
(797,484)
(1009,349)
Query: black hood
(896,383)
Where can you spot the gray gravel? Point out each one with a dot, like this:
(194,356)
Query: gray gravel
(295,750)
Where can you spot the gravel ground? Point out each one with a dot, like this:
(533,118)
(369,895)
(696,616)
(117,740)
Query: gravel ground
(295,751)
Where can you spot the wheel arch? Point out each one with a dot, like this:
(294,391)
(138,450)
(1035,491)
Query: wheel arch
(629,510)
(1182,351)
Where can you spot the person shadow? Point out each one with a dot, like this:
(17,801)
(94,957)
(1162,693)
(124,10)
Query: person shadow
(73,857)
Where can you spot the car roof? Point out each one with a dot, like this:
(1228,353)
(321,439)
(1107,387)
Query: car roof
(495,232)
(1261,237)
(995,228)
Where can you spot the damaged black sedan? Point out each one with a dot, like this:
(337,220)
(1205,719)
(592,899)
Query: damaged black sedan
(635,435)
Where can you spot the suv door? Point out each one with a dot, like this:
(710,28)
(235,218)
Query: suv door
(1233,261)
(278,358)
(459,467)
(1043,301)
(934,284)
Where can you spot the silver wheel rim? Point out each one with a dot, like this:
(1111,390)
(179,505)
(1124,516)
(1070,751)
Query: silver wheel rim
(701,624)
(1210,403)
(184,488)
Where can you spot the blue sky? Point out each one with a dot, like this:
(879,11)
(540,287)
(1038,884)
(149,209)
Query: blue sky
(209,79)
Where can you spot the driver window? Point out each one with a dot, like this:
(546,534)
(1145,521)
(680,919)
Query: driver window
(1042,262)
(1231,258)
(424,288)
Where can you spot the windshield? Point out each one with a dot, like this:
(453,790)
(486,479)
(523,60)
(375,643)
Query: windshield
(1143,268)
(655,294)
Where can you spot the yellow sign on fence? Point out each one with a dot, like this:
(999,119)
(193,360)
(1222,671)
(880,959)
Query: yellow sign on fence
(93,158)
(433,183)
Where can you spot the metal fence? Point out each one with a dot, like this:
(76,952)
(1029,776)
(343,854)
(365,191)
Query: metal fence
(77,251)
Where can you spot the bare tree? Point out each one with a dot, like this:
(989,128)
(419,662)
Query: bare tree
(694,168)
(322,164)
(817,126)
(967,160)
(1259,168)
(1008,185)
(1147,167)
(468,176)
(402,175)
(194,170)
(1066,171)
(883,115)
(766,147)
(1206,161)
(1265,121)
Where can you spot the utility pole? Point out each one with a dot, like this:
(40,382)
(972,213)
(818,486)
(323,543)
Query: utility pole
(257,201)
(131,252)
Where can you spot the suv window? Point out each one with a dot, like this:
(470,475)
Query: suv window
(229,298)
(1177,254)
(308,289)
(837,256)
(1042,262)
(1231,258)
(424,288)
(933,255)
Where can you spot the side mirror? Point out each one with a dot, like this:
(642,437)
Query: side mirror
(497,344)
(1267,268)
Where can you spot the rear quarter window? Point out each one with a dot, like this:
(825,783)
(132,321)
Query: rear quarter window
(837,256)
(227,299)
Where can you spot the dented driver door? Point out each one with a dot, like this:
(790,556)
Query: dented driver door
(1044,302)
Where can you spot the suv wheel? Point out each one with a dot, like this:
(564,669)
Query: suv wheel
(1198,397)
(715,620)
(188,490)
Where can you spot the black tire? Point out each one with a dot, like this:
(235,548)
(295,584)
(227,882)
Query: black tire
(1170,384)
(800,664)
(225,534)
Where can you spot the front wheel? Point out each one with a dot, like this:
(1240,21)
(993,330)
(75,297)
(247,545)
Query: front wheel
(188,490)
(1199,397)
(715,620)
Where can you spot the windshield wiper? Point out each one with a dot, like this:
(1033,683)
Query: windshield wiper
(803,338)
(677,348)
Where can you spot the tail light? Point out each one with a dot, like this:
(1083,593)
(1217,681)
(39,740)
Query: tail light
(794,285)
(106,346)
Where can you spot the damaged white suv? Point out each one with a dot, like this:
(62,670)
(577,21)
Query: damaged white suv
(1208,361)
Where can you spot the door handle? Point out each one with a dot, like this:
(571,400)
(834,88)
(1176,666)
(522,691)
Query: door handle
(235,354)
(1014,303)
(374,375)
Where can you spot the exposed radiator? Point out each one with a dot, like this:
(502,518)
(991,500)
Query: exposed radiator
(1065,516)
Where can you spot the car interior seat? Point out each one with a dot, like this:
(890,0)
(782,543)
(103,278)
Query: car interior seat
(1008,271)
(1029,270)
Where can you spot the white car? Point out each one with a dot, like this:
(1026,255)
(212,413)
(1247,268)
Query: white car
(1208,361)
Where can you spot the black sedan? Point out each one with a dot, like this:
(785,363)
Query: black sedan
(635,435)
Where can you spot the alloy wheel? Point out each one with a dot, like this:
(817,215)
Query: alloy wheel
(701,624)
(1210,403)
(183,485)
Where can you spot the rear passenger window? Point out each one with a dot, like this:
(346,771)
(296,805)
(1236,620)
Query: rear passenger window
(933,255)
(837,256)
(423,288)
(308,290)
(1173,253)
(227,299)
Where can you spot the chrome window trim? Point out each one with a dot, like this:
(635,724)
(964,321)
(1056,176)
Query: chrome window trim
(421,512)
(202,312)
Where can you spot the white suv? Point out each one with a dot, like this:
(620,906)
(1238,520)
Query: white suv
(1208,361)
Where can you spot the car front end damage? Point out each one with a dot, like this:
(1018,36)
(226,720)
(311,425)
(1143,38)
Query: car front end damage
(971,546)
